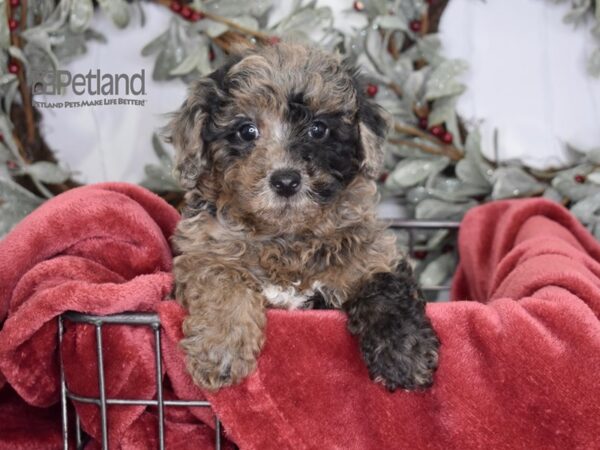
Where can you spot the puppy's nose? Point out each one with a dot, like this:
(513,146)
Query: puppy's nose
(285,182)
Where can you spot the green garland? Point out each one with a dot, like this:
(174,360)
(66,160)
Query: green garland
(434,165)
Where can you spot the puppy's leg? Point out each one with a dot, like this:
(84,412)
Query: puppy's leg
(223,332)
(396,338)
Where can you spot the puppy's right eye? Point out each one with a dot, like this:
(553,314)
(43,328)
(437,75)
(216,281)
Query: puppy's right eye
(248,132)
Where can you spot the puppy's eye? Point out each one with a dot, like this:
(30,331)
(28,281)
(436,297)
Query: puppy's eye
(248,132)
(318,130)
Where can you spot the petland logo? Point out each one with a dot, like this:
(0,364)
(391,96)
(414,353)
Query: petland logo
(83,86)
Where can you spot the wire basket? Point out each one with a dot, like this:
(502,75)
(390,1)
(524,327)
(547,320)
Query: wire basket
(414,231)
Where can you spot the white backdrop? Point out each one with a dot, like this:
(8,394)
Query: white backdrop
(527,79)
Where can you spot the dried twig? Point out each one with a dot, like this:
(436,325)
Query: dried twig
(441,149)
(230,23)
(23,88)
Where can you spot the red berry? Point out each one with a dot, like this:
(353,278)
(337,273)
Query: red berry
(13,24)
(186,12)
(13,67)
(415,26)
(447,138)
(15,3)
(423,123)
(274,40)
(579,178)
(383,177)
(175,6)
(211,55)
(437,131)
(196,16)
(372,90)
(420,254)
(358,6)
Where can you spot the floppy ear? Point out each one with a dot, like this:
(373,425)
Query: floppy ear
(373,124)
(184,131)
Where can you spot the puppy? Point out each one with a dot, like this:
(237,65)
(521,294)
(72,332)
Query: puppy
(278,151)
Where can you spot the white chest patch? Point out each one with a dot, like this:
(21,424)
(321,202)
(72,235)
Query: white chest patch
(290,297)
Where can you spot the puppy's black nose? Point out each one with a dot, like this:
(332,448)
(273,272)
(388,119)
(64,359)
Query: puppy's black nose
(286,182)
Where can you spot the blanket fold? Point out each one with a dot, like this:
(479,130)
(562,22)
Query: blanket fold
(518,365)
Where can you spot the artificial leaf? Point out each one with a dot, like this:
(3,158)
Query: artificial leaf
(552,194)
(4,31)
(412,171)
(429,47)
(469,171)
(7,78)
(116,10)
(443,111)
(212,28)
(246,22)
(566,183)
(305,20)
(438,270)
(433,209)
(10,94)
(15,203)
(17,53)
(512,182)
(588,209)
(442,81)
(46,172)
(159,179)
(155,44)
(455,190)
(41,41)
(594,177)
(191,61)
(593,156)
(396,22)
(80,15)
(229,8)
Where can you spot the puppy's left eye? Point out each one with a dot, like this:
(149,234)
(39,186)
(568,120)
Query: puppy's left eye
(248,132)
(318,130)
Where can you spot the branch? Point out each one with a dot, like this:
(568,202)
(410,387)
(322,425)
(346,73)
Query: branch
(231,24)
(447,150)
(224,20)
(23,88)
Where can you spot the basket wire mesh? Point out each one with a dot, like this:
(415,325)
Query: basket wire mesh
(153,321)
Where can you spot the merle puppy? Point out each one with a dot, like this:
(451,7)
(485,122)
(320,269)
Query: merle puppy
(278,151)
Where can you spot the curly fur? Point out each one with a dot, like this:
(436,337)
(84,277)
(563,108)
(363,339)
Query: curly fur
(242,247)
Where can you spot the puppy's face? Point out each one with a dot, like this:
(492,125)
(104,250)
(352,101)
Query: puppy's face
(275,136)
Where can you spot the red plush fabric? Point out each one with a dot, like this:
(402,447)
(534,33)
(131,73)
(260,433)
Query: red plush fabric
(100,249)
(518,367)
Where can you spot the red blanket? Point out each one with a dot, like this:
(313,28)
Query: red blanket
(518,368)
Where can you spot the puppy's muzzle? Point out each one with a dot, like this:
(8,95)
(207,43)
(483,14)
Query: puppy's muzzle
(286,182)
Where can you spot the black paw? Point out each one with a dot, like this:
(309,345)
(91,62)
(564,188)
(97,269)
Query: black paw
(399,360)
(397,341)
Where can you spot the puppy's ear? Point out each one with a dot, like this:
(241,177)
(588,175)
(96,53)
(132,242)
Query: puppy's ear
(373,124)
(184,131)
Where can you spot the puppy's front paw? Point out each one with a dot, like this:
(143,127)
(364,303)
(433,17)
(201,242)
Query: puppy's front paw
(396,358)
(215,360)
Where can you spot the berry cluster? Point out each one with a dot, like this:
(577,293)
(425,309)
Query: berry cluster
(13,25)
(372,90)
(439,131)
(192,15)
(186,12)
